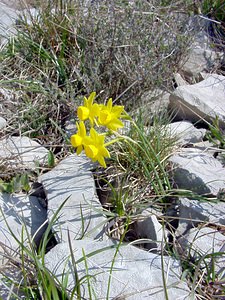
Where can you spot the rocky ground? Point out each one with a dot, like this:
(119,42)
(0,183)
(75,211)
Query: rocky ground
(198,166)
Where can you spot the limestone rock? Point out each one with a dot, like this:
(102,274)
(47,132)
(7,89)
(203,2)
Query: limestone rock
(2,123)
(200,60)
(7,21)
(136,274)
(194,212)
(148,227)
(199,242)
(17,211)
(202,57)
(22,152)
(202,101)
(72,181)
(198,171)
(186,132)
(179,80)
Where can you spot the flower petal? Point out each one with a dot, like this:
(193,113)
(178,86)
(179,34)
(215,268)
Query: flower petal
(101,160)
(83,113)
(91,151)
(90,99)
(79,149)
(76,140)
(117,110)
(82,129)
(109,104)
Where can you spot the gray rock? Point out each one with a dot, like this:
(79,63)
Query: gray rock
(202,101)
(206,146)
(136,274)
(199,242)
(72,181)
(7,21)
(22,152)
(194,212)
(179,80)
(14,4)
(148,227)
(200,60)
(2,123)
(197,171)
(18,211)
(185,132)
(202,57)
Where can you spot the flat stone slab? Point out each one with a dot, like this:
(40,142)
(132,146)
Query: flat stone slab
(198,171)
(2,123)
(22,152)
(8,16)
(200,242)
(193,212)
(147,227)
(204,100)
(185,132)
(18,211)
(82,214)
(135,274)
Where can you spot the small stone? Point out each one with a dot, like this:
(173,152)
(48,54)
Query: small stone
(2,123)
(7,22)
(201,242)
(22,152)
(197,171)
(179,80)
(148,227)
(194,212)
(17,211)
(201,101)
(71,181)
(185,132)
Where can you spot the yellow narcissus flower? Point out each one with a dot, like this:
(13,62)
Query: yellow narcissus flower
(77,140)
(94,147)
(88,110)
(109,116)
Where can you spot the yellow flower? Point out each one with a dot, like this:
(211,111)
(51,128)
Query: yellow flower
(77,140)
(109,116)
(88,110)
(94,147)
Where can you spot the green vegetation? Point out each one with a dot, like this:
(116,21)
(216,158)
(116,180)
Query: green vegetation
(213,9)
(67,50)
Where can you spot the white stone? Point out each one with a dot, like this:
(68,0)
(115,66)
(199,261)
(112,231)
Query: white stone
(202,57)
(2,123)
(197,171)
(200,60)
(18,211)
(82,214)
(185,132)
(147,227)
(202,101)
(179,80)
(7,21)
(199,242)
(193,212)
(136,274)
(22,152)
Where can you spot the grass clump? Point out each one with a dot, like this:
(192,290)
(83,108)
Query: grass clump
(119,48)
(137,176)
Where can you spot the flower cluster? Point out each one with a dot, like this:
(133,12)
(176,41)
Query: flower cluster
(94,144)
